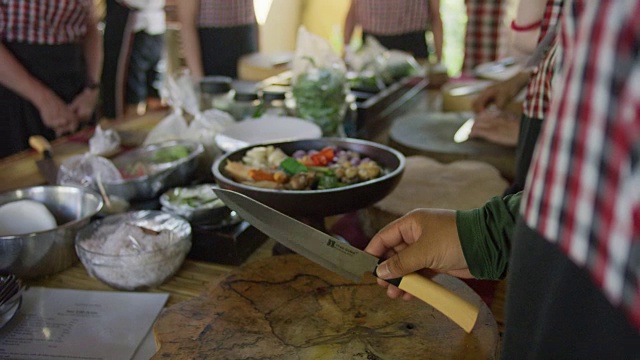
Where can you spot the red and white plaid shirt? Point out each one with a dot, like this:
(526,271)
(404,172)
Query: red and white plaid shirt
(384,17)
(583,188)
(225,13)
(539,91)
(484,33)
(50,22)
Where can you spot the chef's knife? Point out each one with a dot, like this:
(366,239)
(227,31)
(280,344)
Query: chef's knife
(463,132)
(342,258)
(46,165)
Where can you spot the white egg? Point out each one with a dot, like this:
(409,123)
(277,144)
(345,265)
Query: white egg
(24,217)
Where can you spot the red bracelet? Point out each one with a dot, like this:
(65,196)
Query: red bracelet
(529,27)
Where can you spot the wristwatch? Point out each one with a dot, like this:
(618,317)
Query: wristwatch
(92,85)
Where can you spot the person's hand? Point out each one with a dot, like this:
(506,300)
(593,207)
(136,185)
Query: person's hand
(501,93)
(497,126)
(422,239)
(84,104)
(56,114)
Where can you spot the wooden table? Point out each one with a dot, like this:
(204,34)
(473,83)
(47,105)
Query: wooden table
(194,276)
(20,170)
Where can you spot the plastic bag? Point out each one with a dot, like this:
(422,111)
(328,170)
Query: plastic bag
(204,129)
(104,142)
(319,84)
(390,65)
(173,127)
(83,170)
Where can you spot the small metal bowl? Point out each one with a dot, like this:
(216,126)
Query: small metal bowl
(198,204)
(159,176)
(47,252)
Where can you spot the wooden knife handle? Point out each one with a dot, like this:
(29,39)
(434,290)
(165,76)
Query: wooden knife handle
(40,144)
(442,299)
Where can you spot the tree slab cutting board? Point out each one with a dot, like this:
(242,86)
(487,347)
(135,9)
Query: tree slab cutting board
(287,307)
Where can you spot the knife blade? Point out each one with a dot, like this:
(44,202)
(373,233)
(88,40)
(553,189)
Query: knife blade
(462,134)
(47,167)
(342,258)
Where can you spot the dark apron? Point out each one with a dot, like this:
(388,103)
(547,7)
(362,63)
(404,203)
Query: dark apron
(222,48)
(61,68)
(527,139)
(414,43)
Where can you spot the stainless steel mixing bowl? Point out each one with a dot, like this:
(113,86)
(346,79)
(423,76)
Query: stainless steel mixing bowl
(48,252)
(160,176)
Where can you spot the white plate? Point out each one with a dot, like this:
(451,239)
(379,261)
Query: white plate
(265,129)
(498,70)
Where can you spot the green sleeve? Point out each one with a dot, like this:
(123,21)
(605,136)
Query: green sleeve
(485,235)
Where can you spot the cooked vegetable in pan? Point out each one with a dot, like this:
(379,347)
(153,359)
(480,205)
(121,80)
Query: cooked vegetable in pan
(327,168)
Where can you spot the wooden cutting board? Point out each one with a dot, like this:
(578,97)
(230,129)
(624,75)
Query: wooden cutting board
(286,307)
(431,134)
(427,183)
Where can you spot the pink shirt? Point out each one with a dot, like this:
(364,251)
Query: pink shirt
(385,17)
(225,13)
(44,22)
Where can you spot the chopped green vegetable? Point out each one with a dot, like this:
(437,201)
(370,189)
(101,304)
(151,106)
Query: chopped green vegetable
(291,166)
(320,96)
(170,154)
(328,182)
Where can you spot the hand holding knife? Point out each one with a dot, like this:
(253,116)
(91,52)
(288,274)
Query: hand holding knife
(343,258)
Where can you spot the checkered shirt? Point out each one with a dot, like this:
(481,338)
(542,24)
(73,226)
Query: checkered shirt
(484,33)
(384,17)
(225,13)
(583,187)
(45,22)
(537,101)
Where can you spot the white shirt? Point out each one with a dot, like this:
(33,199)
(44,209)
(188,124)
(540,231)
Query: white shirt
(149,15)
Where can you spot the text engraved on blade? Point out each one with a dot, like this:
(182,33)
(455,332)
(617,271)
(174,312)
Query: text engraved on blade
(336,245)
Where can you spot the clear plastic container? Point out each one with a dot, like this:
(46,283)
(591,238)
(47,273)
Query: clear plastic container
(273,99)
(216,93)
(245,105)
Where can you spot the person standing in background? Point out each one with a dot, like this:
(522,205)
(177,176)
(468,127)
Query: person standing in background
(215,34)
(569,242)
(538,81)
(484,33)
(133,47)
(399,25)
(51,60)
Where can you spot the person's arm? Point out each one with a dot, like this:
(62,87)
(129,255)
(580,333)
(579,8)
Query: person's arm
(496,126)
(525,28)
(349,25)
(436,27)
(187,12)
(53,110)
(501,93)
(485,235)
(84,104)
(459,243)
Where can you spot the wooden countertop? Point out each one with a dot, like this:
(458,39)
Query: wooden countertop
(20,170)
